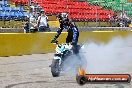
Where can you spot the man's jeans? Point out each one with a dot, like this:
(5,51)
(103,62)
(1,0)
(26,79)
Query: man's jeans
(43,29)
(26,29)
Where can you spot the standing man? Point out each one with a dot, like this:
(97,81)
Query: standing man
(43,22)
(32,7)
(33,23)
(37,10)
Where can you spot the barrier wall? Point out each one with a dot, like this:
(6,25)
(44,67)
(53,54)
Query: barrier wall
(82,24)
(53,23)
(29,43)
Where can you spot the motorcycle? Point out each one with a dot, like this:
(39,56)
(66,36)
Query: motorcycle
(63,51)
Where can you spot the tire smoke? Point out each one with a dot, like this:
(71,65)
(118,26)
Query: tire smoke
(115,57)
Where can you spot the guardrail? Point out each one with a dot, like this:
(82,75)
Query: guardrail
(12,44)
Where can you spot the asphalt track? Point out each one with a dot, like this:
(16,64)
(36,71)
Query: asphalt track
(33,71)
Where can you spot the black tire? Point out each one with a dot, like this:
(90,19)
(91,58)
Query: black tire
(55,70)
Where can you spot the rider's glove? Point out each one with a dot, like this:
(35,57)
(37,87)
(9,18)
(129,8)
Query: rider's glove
(53,41)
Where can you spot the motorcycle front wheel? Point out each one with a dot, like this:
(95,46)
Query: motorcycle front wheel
(55,68)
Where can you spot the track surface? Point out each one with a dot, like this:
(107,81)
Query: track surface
(32,71)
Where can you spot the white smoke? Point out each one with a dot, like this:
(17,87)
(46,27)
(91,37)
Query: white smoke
(72,64)
(113,57)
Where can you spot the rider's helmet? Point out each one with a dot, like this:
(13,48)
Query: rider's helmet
(63,18)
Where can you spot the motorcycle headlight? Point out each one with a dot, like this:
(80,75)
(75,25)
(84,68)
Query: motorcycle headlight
(60,49)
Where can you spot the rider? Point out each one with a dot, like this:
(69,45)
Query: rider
(72,30)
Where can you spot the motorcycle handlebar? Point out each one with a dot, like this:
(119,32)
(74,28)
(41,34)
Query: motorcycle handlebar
(55,42)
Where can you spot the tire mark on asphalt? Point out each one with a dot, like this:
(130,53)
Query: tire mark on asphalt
(23,62)
(12,85)
(27,69)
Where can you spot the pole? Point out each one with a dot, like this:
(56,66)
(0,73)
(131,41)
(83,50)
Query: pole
(29,3)
(122,13)
(29,14)
(67,6)
(96,13)
(96,16)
